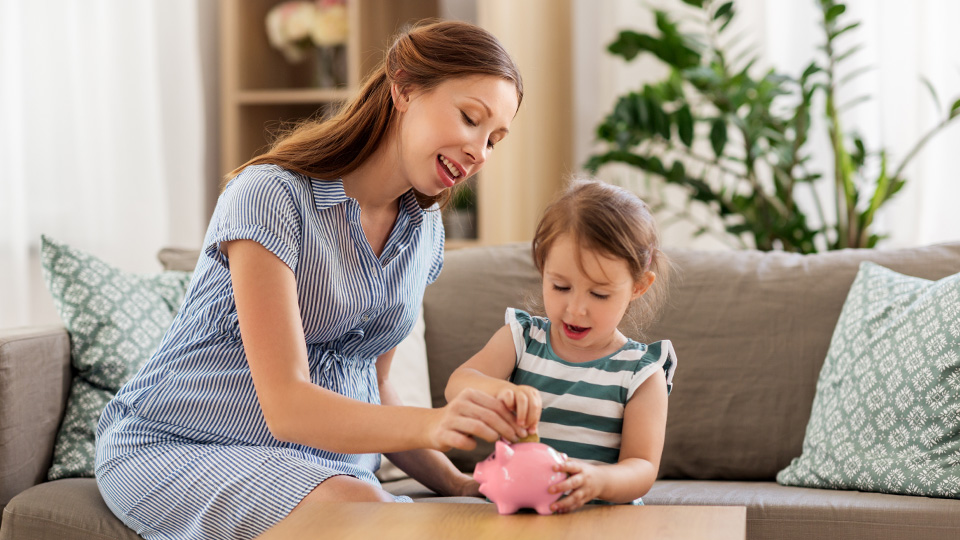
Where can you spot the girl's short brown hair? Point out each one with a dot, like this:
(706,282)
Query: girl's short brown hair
(613,222)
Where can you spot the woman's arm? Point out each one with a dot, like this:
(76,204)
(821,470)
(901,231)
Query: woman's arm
(489,371)
(429,467)
(296,410)
(644,425)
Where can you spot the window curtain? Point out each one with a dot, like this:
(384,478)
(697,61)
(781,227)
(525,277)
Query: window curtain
(104,137)
(903,42)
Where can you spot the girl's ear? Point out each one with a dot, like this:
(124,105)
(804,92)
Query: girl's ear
(641,285)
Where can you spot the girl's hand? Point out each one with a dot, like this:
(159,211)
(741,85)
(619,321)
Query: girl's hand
(526,404)
(584,484)
(466,486)
(470,414)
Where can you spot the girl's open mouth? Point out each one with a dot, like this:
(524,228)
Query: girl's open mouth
(575,332)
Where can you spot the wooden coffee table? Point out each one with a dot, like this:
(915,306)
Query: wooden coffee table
(451,521)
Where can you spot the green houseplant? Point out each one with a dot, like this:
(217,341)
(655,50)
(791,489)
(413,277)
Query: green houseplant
(737,142)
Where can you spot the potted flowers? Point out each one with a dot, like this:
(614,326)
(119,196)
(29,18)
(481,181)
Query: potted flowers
(318,30)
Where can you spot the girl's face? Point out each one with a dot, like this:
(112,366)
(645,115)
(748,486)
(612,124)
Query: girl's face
(447,133)
(586,305)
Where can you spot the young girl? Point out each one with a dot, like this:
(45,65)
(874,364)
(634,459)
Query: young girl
(272,387)
(598,396)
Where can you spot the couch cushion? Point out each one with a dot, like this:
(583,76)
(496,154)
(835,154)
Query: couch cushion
(70,508)
(463,309)
(758,322)
(34,370)
(886,416)
(776,512)
(115,320)
(751,330)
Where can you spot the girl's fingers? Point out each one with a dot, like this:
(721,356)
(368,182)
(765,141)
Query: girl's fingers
(521,406)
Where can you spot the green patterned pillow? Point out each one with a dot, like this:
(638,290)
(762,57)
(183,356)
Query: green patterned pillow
(115,320)
(886,415)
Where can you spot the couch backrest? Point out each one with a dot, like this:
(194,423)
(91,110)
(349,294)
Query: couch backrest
(751,331)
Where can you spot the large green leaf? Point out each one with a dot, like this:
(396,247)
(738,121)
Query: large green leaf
(684,121)
(718,136)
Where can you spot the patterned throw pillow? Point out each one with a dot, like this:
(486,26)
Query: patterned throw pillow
(886,416)
(115,320)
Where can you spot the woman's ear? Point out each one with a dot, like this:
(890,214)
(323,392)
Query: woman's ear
(641,285)
(401,99)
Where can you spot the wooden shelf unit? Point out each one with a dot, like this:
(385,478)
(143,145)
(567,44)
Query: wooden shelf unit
(260,90)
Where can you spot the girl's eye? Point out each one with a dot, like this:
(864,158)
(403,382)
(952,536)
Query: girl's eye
(561,289)
(490,144)
(600,296)
(469,121)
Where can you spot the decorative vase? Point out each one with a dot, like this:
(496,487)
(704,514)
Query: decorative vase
(330,66)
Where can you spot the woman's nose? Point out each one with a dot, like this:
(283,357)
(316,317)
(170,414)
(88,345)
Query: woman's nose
(477,152)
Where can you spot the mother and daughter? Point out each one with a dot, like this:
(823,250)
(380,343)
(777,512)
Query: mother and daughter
(272,387)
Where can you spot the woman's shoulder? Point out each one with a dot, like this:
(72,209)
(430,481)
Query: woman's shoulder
(268,173)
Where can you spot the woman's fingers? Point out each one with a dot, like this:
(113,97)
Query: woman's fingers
(484,416)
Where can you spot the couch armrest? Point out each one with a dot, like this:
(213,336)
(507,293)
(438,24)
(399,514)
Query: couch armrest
(34,385)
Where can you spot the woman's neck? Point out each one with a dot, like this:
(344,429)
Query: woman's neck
(378,182)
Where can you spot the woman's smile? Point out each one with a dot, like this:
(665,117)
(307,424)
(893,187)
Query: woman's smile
(449,170)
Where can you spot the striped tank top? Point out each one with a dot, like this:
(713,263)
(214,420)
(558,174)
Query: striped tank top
(583,402)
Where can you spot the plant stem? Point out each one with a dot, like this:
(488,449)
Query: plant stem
(920,144)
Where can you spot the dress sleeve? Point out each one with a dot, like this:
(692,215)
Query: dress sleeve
(258,205)
(519,322)
(439,235)
(659,355)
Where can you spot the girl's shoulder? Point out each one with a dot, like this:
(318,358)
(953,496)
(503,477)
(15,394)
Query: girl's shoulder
(525,320)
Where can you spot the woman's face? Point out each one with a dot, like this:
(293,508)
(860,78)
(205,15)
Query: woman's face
(447,133)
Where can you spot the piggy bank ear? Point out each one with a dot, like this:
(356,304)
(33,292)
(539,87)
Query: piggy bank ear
(504,452)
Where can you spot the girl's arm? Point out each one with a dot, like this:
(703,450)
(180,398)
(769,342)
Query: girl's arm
(644,424)
(296,410)
(489,371)
(431,468)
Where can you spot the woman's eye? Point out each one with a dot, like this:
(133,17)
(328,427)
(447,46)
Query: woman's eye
(561,289)
(469,120)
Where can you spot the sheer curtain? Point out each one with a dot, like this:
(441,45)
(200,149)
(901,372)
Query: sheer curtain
(903,40)
(103,142)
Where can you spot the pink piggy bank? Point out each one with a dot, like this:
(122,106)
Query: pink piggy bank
(517,476)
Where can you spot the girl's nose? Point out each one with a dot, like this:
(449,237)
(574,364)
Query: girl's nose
(577,306)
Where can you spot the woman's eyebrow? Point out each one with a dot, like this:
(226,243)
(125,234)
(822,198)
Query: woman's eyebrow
(489,112)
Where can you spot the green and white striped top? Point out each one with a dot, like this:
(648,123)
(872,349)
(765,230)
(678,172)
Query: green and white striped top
(583,402)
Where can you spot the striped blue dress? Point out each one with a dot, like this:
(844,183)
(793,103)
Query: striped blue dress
(183,450)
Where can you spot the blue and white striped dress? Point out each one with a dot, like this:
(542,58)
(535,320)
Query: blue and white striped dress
(183,450)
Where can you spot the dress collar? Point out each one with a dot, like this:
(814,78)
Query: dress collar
(329,193)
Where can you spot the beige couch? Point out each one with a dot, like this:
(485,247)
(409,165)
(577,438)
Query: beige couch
(751,331)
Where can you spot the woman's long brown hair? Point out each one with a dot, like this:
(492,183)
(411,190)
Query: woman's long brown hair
(422,57)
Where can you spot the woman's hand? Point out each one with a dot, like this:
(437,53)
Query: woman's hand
(584,484)
(471,414)
(526,404)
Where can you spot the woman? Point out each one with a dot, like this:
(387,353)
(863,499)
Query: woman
(272,386)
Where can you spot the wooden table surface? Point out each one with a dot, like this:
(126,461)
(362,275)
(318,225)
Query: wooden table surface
(451,521)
